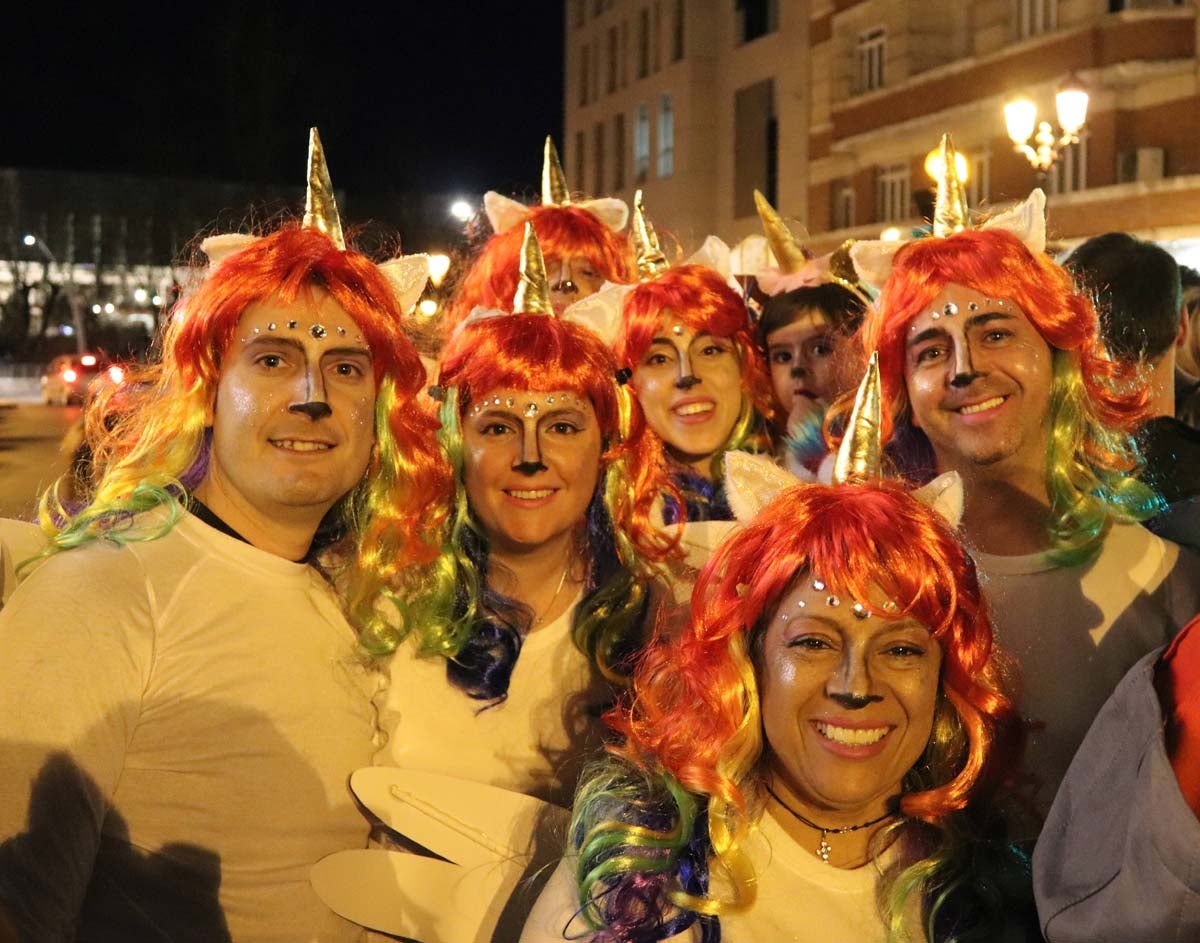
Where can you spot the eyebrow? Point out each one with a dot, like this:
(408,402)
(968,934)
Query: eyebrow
(975,320)
(297,345)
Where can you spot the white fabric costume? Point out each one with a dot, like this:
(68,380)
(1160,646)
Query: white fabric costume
(800,900)
(533,742)
(1076,631)
(187,710)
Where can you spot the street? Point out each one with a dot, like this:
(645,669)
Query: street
(30,435)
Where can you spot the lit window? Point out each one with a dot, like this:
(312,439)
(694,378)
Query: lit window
(891,193)
(598,164)
(1035,17)
(843,206)
(1069,172)
(871,53)
(666,137)
(641,143)
(619,152)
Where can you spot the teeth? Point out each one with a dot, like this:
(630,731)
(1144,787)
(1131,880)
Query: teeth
(299,445)
(532,495)
(980,407)
(693,409)
(853,736)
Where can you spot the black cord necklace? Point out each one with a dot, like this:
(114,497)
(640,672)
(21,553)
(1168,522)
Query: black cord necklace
(824,848)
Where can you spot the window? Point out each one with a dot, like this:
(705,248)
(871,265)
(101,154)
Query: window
(611,84)
(641,143)
(757,18)
(756,148)
(1035,17)
(580,146)
(624,53)
(871,53)
(643,39)
(666,137)
(619,152)
(979,178)
(843,206)
(1069,172)
(585,73)
(656,45)
(677,32)
(598,158)
(891,193)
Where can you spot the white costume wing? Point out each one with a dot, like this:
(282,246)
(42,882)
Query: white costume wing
(490,836)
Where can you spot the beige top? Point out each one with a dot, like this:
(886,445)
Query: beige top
(189,709)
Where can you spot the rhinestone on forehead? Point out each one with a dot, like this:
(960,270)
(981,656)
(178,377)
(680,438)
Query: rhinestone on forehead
(833,601)
(510,402)
(935,315)
(531,410)
(318,331)
(783,617)
(860,611)
(818,584)
(341,331)
(271,326)
(549,400)
(292,325)
(677,330)
(972,306)
(949,309)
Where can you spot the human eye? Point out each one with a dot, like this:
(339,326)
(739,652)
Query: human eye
(997,335)
(714,350)
(905,650)
(269,361)
(811,643)
(822,347)
(564,427)
(782,355)
(656,358)
(929,354)
(349,369)
(495,427)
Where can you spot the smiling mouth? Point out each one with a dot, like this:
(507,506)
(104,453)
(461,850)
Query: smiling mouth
(300,445)
(851,736)
(530,494)
(694,409)
(981,407)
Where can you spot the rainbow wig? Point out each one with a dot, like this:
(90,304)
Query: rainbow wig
(480,631)
(1096,402)
(563,232)
(693,735)
(151,445)
(701,299)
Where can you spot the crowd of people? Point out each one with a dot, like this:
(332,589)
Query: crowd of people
(854,598)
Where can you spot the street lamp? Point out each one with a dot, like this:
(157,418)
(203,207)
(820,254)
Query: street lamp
(1020,117)
(80,331)
(462,210)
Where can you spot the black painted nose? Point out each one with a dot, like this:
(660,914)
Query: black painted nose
(686,383)
(959,380)
(529,468)
(854,702)
(313,411)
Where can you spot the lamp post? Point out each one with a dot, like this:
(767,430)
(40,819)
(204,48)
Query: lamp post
(30,239)
(1020,118)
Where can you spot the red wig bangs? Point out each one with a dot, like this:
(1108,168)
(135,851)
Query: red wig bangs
(533,352)
(280,266)
(563,232)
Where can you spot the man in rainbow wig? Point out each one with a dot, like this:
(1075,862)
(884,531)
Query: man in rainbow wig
(181,692)
(993,366)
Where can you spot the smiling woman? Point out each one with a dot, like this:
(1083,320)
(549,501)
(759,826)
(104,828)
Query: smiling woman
(815,758)
(699,376)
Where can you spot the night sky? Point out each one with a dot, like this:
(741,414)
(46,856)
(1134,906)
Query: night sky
(443,96)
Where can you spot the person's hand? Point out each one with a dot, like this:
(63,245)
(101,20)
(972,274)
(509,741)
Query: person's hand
(805,433)
(1177,679)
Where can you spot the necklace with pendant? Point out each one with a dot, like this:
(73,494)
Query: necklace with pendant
(823,847)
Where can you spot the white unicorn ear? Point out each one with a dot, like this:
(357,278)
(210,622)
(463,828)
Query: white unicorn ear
(408,275)
(751,256)
(502,212)
(219,248)
(752,482)
(714,253)
(600,312)
(609,210)
(872,260)
(945,495)
(1026,221)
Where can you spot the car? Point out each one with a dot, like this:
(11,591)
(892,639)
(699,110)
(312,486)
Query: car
(68,377)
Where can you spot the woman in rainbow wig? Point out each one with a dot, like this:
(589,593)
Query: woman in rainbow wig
(151,437)
(686,338)
(581,243)
(542,594)
(813,758)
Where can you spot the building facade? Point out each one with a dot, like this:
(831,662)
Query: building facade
(830,107)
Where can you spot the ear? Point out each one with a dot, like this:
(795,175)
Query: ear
(1026,221)
(872,260)
(752,482)
(502,212)
(1181,338)
(612,212)
(601,312)
(219,248)
(945,495)
(408,275)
